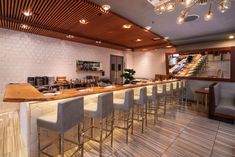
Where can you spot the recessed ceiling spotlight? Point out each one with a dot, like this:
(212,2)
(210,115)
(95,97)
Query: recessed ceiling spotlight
(166,38)
(69,36)
(127,26)
(24,26)
(231,37)
(27,13)
(138,40)
(168,46)
(98,42)
(106,7)
(157,38)
(148,27)
(83,21)
(128,49)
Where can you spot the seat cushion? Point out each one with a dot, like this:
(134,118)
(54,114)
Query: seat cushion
(226,106)
(48,121)
(119,104)
(91,110)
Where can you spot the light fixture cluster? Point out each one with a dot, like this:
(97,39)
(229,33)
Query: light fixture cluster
(162,6)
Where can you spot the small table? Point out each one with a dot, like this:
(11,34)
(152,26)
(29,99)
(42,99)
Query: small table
(204,92)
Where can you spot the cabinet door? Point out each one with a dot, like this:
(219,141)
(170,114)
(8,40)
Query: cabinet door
(113,68)
(119,69)
(116,69)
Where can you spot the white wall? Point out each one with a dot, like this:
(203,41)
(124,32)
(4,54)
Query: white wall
(24,54)
(149,63)
(204,45)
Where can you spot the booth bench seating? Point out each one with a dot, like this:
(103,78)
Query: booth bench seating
(222,101)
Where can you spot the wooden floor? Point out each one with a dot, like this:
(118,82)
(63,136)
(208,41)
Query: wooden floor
(182,132)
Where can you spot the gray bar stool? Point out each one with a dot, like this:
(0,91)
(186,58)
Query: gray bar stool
(69,114)
(141,102)
(101,110)
(162,96)
(152,107)
(126,105)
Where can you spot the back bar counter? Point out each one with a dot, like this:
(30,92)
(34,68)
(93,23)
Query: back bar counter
(34,104)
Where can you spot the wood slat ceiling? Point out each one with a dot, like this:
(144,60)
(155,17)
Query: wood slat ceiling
(58,18)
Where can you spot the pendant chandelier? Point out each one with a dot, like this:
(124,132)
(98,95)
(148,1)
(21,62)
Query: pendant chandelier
(162,6)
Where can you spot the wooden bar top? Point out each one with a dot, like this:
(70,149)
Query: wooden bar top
(23,92)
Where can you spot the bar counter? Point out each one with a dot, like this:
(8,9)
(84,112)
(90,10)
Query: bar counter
(34,104)
(23,92)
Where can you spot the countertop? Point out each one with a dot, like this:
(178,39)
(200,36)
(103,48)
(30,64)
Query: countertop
(23,92)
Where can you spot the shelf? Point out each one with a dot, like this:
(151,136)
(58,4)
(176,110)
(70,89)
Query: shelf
(90,71)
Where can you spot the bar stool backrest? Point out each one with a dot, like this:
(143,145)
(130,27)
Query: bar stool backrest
(171,88)
(164,89)
(129,98)
(154,92)
(143,96)
(177,85)
(105,104)
(69,114)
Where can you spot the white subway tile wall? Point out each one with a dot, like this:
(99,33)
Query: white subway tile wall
(25,54)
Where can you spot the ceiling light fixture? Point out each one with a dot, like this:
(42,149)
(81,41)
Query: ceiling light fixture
(168,46)
(98,42)
(106,7)
(166,38)
(148,27)
(83,21)
(208,16)
(162,6)
(27,13)
(24,26)
(157,38)
(138,40)
(231,37)
(69,36)
(127,26)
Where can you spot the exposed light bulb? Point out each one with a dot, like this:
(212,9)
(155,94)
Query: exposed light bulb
(188,3)
(170,7)
(208,16)
(157,11)
(162,8)
(227,4)
(180,20)
(221,7)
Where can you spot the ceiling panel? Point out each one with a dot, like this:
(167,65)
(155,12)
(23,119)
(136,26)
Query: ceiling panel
(58,18)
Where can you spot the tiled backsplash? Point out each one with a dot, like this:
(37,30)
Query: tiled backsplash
(24,54)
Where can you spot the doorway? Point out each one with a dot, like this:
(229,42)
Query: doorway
(116,69)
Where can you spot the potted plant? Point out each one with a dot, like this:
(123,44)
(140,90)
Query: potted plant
(128,75)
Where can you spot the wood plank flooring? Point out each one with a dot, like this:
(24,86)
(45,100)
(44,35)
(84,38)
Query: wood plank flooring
(182,132)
